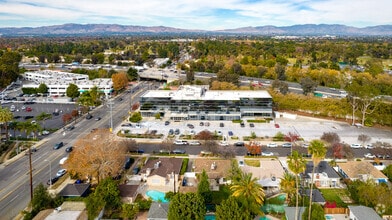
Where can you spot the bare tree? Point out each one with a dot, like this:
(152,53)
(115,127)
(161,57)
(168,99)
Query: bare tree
(330,137)
(98,155)
(167,145)
(364,138)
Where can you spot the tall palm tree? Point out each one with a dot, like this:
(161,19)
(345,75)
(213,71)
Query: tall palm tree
(297,165)
(251,193)
(287,184)
(317,150)
(5,117)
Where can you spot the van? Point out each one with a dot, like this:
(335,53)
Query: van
(128,163)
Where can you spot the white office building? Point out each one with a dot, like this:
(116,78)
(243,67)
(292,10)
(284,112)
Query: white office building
(199,103)
(58,82)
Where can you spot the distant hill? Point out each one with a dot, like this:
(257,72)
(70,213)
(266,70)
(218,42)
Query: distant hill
(113,29)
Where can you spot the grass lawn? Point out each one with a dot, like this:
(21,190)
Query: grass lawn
(253,163)
(336,195)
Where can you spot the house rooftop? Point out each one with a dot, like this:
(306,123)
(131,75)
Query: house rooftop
(162,166)
(364,213)
(323,167)
(354,169)
(128,190)
(267,170)
(75,190)
(158,211)
(215,168)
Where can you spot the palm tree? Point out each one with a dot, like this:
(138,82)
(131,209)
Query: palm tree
(317,150)
(5,117)
(287,184)
(251,193)
(297,165)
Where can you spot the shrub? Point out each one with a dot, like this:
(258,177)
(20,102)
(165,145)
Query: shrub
(184,166)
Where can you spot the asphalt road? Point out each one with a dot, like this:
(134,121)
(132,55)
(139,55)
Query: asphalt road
(14,181)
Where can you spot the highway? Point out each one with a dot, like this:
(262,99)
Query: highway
(14,176)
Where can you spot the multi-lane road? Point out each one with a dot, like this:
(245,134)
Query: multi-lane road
(14,176)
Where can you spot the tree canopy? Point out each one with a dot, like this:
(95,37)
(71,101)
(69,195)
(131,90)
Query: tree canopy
(186,206)
(72,91)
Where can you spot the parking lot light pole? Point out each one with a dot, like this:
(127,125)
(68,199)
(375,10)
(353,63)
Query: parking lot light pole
(110,105)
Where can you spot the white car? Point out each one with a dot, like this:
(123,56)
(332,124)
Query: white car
(356,146)
(272,145)
(267,154)
(194,143)
(223,143)
(370,156)
(369,146)
(179,142)
(61,172)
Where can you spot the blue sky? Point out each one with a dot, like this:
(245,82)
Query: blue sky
(195,14)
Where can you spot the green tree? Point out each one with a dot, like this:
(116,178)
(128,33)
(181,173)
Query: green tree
(9,67)
(229,209)
(135,117)
(5,116)
(108,190)
(308,85)
(132,74)
(317,150)
(235,173)
(280,71)
(249,192)
(317,212)
(129,211)
(388,172)
(203,187)
(72,91)
(186,206)
(94,204)
(288,185)
(297,165)
(41,198)
(42,88)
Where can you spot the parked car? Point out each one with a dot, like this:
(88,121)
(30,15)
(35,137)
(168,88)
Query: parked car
(89,116)
(369,146)
(164,151)
(52,181)
(58,145)
(171,132)
(223,143)
(61,172)
(177,131)
(180,142)
(221,125)
(29,109)
(179,151)
(251,125)
(242,124)
(239,144)
(167,122)
(194,143)
(272,145)
(241,163)
(230,133)
(369,156)
(277,126)
(267,154)
(356,146)
(97,118)
(128,163)
(287,145)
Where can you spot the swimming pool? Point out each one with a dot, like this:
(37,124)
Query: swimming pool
(156,195)
(329,217)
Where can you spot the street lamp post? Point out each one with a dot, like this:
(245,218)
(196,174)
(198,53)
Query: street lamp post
(110,105)
(50,173)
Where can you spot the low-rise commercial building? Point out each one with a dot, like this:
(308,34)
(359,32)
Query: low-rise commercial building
(58,82)
(199,103)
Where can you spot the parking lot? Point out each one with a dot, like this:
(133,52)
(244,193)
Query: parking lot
(305,127)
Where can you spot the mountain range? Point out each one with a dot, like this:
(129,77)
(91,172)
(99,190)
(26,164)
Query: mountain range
(116,29)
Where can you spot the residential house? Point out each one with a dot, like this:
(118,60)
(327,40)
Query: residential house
(75,190)
(68,210)
(324,175)
(363,213)
(161,172)
(361,170)
(317,197)
(217,170)
(158,211)
(269,174)
(128,193)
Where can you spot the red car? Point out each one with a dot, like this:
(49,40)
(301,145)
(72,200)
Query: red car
(276,125)
(29,109)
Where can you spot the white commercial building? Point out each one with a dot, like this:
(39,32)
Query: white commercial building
(58,82)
